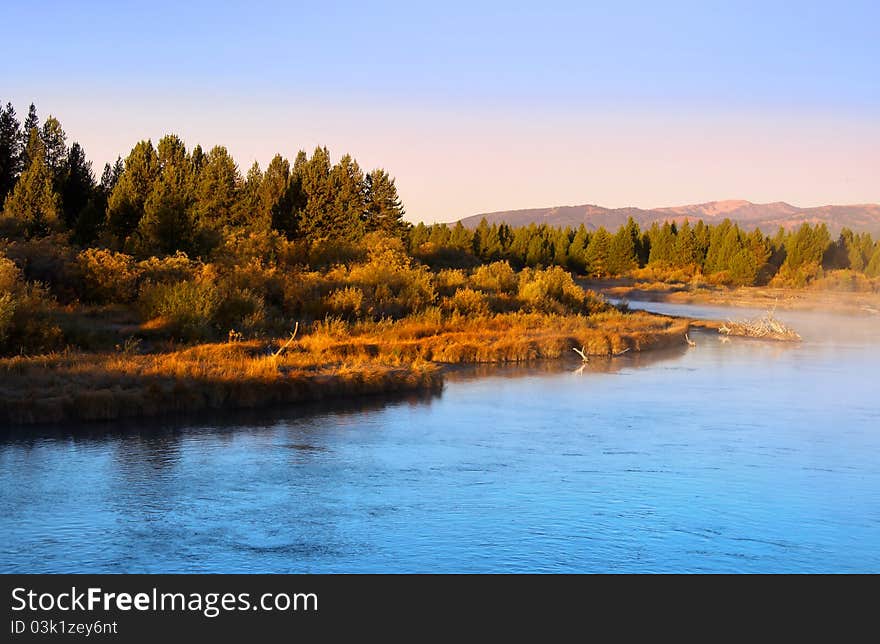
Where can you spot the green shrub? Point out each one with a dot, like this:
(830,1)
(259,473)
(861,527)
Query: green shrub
(190,308)
(497,277)
(391,284)
(303,294)
(164,270)
(243,310)
(259,278)
(448,281)
(551,290)
(468,302)
(50,261)
(346,302)
(796,277)
(108,276)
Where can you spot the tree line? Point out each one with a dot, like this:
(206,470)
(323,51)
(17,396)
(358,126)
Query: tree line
(164,198)
(724,250)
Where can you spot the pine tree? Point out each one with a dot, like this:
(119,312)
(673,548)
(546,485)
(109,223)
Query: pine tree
(55,143)
(110,176)
(720,249)
(760,248)
(92,219)
(216,190)
(577,250)
(34,205)
(10,150)
(30,123)
(77,185)
(417,236)
(197,162)
(481,234)
(685,253)
(439,235)
(598,252)
(873,267)
(346,217)
(806,246)
(274,197)
(125,206)
(641,254)
(702,235)
(461,238)
(561,241)
(537,250)
(663,241)
(777,245)
(495,245)
(314,177)
(623,253)
(167,224)
(384,211)
(518,250)
(247,207)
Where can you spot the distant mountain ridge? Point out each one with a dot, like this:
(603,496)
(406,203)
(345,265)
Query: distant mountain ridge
(768,217)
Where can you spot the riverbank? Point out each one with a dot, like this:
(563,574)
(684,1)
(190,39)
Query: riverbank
(756,297)
(328,360)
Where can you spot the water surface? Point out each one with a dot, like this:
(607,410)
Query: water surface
(743,456)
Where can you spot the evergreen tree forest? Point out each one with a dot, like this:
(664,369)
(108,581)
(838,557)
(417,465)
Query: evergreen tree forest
(163,198)
(722,253)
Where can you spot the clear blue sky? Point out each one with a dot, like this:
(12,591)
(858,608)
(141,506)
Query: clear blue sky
(410,83)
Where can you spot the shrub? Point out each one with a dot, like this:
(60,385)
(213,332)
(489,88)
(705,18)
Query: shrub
(189,307)
(108,276)
(26,322)
(345,302)
(392,286)
(448,281)
(303,294)
(48,260)
(796,277)
(7,312)
(551,290)
(327,252)
(174,268)
(241,309)
(10,276)
(242,246)
(497,277)
(846,280)
(469,302)
(259,278)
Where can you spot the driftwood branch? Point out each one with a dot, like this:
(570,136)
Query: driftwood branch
(690,342)
(767,328)
(581,352)
(288,343)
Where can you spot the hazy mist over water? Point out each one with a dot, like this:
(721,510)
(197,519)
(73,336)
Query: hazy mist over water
(743,456)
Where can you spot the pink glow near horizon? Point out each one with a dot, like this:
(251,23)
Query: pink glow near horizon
(451,164)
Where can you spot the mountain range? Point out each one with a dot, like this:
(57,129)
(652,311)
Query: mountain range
(768,216)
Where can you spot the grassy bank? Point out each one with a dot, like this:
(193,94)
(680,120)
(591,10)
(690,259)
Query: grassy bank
(328,360)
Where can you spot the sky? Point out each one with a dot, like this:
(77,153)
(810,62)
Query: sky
(480,106)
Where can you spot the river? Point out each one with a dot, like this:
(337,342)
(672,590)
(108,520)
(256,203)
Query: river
(740,456)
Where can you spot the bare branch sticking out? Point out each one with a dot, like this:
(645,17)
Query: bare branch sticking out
(288,343)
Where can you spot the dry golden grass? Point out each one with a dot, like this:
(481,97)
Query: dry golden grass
(333,359)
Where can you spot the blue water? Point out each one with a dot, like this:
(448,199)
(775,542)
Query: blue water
(743,456)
